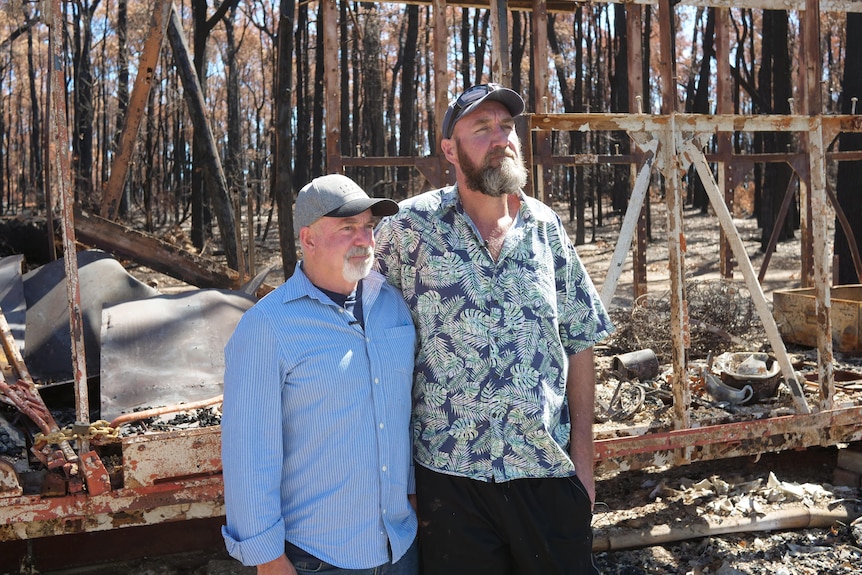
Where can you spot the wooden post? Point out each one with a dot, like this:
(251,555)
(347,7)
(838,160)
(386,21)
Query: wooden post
(441,85)
(331,89)
(135,112)
(62,183)
(676,244)
(501,68)
(634,32)
(538,47)
(724,85)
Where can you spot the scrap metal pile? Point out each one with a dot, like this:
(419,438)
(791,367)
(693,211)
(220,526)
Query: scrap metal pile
(732,372)
(154,379)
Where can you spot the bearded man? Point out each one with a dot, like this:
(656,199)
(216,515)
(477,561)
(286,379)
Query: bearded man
(316,450)
(504,386)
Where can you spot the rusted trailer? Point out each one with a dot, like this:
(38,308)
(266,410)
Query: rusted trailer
(111,482)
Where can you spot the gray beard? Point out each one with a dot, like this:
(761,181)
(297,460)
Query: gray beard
(509,178)
(354,272)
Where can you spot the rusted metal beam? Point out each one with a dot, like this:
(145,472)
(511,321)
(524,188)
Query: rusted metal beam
(703,123)
(671,167)
(735,439)
(62,183)
(820,215)
(161,483)
(30,517)
(724,89)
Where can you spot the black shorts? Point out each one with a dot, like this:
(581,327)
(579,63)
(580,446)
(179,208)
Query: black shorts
(520,527)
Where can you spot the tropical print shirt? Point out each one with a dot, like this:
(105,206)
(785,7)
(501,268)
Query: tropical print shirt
(489,393)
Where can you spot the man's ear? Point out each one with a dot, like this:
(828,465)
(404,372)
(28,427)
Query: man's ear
(449,150)
(306,238)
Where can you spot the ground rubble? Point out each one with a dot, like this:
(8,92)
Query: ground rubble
(755,506)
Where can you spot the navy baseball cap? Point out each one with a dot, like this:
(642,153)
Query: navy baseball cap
(472,97)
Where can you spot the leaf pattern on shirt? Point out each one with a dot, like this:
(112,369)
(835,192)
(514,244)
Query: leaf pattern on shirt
(494,337)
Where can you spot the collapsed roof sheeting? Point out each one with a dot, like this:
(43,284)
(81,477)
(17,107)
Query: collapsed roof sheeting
(166,349)
(103,281)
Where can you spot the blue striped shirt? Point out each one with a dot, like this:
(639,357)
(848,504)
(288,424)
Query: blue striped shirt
(316,427)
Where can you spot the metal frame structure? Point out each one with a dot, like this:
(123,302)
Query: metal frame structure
(176,475)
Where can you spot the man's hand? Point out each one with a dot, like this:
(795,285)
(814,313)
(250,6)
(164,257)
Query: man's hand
(280,566)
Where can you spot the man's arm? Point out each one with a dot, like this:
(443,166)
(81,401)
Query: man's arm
(252,441)
(581,393)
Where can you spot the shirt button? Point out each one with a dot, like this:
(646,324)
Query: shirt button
(384,469)
(376,380)
(381,425)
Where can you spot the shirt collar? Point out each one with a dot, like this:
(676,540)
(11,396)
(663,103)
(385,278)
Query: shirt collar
(299,286)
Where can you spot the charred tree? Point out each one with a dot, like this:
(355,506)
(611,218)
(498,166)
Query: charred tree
(409,83)
(775,90)
(82,142)
(122,89)
(850,173)
(318,164)
(619,87)
(302,160)
(233,163)
(203,25)
(519,48)
(372,95)
(282,180)
(697,101)
(347,139)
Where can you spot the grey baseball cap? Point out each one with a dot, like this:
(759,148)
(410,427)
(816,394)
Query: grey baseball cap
(336,196)
(471,98)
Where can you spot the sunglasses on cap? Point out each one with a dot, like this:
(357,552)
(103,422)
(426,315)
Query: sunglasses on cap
(473,96)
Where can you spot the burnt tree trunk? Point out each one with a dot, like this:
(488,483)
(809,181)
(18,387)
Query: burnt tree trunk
(850,173)
(775,89)
(409,83)
(303,117)
(82,143)
(282,181)
(372,94)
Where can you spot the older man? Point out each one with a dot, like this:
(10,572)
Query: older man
(315,430)
(504,388)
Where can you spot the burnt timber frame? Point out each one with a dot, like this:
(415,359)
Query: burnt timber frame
(162,483)
(672,142)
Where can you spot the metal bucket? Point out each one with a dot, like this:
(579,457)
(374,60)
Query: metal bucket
(641,364)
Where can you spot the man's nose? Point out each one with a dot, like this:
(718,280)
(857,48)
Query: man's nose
(365,237)
(502,134)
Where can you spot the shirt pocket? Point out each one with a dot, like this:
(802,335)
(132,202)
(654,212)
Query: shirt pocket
(399,349)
